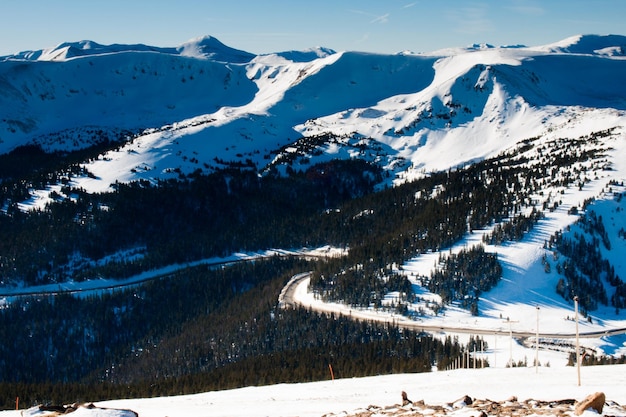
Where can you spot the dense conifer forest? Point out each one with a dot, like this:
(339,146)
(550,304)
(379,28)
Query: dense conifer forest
(219,327)
(201,329)
(583,267)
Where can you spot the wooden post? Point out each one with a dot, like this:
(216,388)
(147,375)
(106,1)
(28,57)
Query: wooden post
(17,403)
(577,340)
(332,374)
(495,349)
(474,357)
(510,341)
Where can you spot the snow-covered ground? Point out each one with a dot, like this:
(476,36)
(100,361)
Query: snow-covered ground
(435,388)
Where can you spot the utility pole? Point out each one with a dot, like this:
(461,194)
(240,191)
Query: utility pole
(537,344)
(495,348)
(510,341)
(577,339)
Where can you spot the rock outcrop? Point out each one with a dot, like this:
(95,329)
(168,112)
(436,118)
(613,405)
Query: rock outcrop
(594,401)
(512,407)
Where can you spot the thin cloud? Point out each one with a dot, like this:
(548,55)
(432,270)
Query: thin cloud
(406,6)
(382,19)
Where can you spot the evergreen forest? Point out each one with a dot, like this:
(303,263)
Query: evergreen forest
(218,326)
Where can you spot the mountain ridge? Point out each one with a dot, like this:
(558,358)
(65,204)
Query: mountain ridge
(131,158)
(275,99)
(268,76)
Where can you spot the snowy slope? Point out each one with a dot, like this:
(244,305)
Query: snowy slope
(185,107)
(425,112)
(55,101)
(349,396)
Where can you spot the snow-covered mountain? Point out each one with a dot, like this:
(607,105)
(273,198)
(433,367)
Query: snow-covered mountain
(203,104)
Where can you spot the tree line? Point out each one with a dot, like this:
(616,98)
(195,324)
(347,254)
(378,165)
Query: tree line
(203,327)
(197,330)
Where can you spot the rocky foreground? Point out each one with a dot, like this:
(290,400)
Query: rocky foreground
(594,404)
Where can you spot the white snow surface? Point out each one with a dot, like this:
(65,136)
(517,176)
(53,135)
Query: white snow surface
(348,395)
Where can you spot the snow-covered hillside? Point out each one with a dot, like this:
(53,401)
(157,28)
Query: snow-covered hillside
(78,93)
(203,104)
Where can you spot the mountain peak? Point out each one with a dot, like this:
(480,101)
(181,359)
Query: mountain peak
(69,50)
(205,47)
(62,51)
(211,48)
(480,46)
(307,55)
(612,45)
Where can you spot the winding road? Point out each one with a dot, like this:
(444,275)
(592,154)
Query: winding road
(288,298)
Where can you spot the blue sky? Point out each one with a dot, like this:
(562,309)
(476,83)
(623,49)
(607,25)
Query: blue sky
(386,26)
